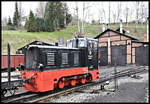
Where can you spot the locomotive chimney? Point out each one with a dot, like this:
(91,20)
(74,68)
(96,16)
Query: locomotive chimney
(9,73)
(103,27)
(121,30)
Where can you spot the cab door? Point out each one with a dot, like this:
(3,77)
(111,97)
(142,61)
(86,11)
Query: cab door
(92,55)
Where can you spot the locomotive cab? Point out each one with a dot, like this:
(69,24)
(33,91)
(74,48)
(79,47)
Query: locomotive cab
(91,50)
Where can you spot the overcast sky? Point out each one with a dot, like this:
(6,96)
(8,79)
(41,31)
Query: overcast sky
(8,8)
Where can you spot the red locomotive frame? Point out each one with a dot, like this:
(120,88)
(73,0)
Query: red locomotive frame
(49,80)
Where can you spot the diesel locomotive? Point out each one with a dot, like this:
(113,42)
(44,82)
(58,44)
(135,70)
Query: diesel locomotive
(50,67)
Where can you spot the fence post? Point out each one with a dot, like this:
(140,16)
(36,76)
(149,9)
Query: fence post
(9,71)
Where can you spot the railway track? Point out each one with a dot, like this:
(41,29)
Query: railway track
(17,97)
(40,97)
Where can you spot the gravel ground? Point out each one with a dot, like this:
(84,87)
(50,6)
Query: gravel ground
(129,90)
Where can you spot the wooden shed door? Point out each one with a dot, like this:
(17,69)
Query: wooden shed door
(103,52)
(120,52)
(142,55)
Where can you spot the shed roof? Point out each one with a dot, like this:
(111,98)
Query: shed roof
(115,32)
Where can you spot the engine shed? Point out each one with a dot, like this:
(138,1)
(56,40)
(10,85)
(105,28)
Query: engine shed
(126,49)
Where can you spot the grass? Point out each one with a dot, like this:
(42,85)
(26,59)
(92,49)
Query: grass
(19,38)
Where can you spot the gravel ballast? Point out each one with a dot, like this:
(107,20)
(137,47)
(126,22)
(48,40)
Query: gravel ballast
(129,90)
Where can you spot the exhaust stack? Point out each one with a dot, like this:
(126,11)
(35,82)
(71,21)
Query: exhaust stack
(103,27)
(121,30)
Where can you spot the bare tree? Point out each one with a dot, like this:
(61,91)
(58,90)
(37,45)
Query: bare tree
(126,13)
(65,14)
(119,11)
(137,14)
(101,12)
(109,13)
(4,21)
(85,9)
(41,9)
(82,29)
(142,13)
(130,14)
(145,14)
(114,16)
(100,16)
(77,13)
(21,14)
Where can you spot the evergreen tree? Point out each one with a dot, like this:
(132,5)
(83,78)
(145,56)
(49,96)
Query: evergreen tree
(50,16)
(9,22)
(16,16)
(40,24)
(54,15)
(68,18)
(31,27)
(26,24)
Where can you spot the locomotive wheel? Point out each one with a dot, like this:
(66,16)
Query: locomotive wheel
(61,84)
(89,78)
(83,80)
(73,82)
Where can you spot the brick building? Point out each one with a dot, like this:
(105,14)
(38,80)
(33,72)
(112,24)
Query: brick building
(125,49)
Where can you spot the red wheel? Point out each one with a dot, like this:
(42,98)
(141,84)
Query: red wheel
(89,78)
(73,82)
(83,80)
(61,84)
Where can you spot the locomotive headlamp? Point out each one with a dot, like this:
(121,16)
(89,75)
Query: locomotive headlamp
(41,66)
